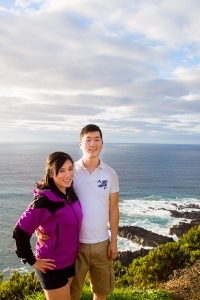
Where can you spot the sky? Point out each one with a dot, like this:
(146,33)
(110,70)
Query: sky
(132,67)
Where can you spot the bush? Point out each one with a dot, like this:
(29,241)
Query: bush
(158,265)
(1,278)
(8,293)
(36,296)
(18,286)
(145,272)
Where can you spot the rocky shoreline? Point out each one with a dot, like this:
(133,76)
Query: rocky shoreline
(148,238)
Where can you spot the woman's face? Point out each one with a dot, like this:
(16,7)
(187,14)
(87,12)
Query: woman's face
(64,177)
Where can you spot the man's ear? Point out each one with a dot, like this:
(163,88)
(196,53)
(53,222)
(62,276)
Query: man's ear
(80,144)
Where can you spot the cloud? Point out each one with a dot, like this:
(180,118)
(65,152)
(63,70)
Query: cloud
(131,66)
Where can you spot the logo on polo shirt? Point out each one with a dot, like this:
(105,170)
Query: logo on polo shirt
(103,184)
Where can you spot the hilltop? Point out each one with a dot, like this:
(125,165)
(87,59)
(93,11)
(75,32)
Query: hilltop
(185,284)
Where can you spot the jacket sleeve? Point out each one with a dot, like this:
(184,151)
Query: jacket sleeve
(22,245)
(31,219)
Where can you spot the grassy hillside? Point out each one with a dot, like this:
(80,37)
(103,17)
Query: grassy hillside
(149,277)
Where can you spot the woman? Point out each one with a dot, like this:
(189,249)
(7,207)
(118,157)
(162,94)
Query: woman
(57,210)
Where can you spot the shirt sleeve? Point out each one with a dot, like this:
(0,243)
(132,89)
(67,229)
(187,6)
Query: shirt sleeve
(115,183)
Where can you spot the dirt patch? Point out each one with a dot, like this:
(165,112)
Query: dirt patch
(185,284)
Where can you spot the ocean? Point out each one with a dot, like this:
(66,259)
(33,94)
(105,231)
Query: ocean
(154,178)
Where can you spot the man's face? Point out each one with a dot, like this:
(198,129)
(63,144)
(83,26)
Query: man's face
(91,144)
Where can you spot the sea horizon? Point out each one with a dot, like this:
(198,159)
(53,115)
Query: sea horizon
(153,177)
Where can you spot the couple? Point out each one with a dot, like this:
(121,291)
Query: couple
(67,213)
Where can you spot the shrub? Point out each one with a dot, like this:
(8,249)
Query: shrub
(145,272)
(1,278)
(158,265)
(18,286)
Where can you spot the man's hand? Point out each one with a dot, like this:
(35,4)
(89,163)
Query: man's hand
(112,250)
(41,236)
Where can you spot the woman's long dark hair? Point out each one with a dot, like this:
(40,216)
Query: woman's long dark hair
(54,162)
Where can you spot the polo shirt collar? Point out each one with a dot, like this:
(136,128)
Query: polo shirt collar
(101,165)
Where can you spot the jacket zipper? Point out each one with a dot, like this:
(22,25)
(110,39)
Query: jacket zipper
(57,235)
(76,228)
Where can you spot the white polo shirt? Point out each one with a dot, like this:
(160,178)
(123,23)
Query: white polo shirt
(93,191)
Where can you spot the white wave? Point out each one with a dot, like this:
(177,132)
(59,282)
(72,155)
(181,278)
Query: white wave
(153,213)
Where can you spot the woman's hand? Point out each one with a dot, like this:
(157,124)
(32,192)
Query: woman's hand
(41,236)
(44,264)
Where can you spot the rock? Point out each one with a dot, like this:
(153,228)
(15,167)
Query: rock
(185,214)
(142,236)
(125,258)
(191,205)
(180,229)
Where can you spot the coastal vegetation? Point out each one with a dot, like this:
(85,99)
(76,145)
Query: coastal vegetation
(156,267)
(27,287)
(142,279)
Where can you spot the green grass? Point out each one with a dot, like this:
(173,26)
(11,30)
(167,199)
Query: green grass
(118,294)
(27,287)
(130,294)
(36,296)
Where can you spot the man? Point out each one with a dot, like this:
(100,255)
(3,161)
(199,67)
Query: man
(97,187)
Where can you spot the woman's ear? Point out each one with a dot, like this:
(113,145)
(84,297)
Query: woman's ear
(50,174)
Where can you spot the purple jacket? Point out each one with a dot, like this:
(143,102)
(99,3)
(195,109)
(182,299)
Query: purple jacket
(60,219)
